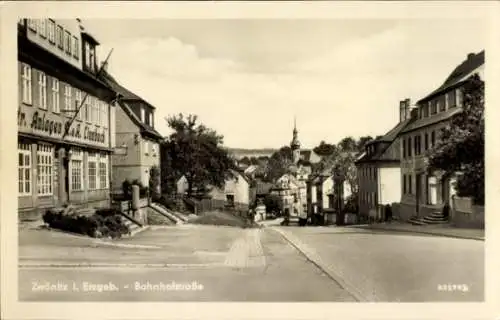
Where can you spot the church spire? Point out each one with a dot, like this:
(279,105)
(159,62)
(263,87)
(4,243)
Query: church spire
(295,144)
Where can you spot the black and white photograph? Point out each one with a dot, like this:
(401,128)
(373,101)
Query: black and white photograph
(274,160)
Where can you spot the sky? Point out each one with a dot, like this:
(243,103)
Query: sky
(249,78)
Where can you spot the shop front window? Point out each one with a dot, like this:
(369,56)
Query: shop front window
(76,170)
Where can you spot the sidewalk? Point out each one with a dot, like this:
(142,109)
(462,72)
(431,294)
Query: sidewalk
(438,230)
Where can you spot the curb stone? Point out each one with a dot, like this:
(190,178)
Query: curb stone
(328,270)
(434,233)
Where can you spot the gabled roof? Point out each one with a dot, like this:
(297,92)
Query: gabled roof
(309,156)
(383,144)
(118,88)
(427,121)
(128,96)
(460,73)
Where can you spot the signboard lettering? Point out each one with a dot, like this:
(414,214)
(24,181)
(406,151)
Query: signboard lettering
(48,124)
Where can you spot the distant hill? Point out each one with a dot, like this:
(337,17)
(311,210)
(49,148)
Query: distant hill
(239,153)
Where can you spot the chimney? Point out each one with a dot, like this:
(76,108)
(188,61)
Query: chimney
(408,108)
(471,56)
(404,110)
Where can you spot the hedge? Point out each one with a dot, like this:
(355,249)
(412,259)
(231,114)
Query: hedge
(104,223)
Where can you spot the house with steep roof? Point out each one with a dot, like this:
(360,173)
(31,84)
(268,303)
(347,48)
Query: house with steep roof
(423,192)
(379,171)
(234,194)
(135,134)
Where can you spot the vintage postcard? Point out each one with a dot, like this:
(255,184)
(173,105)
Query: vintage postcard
(300,159)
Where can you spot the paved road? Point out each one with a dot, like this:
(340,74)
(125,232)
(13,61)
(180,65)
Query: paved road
(219,264)
(405,267)
(231,264)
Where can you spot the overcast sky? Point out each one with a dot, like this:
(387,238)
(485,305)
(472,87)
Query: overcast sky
(248,78)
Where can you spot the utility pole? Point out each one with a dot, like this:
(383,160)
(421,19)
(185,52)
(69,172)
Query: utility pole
(68,124)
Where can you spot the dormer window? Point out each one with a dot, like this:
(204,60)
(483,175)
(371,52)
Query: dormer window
(151,119)
(143,115)
(89,55)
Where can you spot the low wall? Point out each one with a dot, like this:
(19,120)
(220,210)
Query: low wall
(140,215)
(465,214)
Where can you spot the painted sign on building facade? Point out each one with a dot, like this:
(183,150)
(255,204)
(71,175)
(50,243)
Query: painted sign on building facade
(48,124)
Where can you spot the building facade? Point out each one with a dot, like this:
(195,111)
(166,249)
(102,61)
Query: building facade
(379,170)
(61,161)
(424,192)
(135,136)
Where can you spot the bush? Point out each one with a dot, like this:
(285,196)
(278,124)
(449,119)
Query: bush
(105,223)
(168,203)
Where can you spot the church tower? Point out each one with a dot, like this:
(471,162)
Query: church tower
(295,144)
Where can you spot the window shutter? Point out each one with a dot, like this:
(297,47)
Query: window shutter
(34,87)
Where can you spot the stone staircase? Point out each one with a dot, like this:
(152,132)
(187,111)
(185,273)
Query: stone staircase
(432,219)
(132,224)
(175,217)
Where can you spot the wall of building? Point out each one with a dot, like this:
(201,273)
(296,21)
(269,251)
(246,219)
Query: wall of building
(238,187)
(368,186)
(465,214)
(149,157)
(40,36)
(390,184)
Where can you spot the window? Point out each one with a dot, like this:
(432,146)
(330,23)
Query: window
(42,28)
(51,28)
(151,119)
(89,56)
(446,101)
(409,184)
(404,184)
(55,95)
(26,82)
(153,149)
(78,101)
(67,99)
(458,94)
(60,37)
(143,117)
(98,112)
(24,169)
(426,109)
(32,24)
(76,167)
(86,109)
(452,100)
(42,90)
(103,171)
(442,102)
(102,110)
(415,145)
(433,107)
(404,148)
(76,48)
(146,147)
(44,159)
(426,141)
(409,146)
(67,42)
(433,138)
(92,170)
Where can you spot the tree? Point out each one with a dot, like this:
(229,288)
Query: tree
(278,164)
(325,149)
(461,147)
(196,152)
(347,144)
(254,161)
(362,142)
(245,160)
(154,182)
